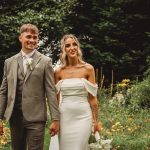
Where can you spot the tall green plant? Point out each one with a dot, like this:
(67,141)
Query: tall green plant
(140,94)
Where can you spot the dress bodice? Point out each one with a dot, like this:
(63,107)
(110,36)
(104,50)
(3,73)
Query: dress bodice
(75,113)
(76,87)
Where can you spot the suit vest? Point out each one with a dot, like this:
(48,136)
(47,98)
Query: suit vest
(20,82)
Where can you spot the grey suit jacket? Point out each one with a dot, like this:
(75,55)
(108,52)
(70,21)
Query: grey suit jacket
(38,88)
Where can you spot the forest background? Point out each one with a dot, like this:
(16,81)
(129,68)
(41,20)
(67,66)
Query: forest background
(114,34)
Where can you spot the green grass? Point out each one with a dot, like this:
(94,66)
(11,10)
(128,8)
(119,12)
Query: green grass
(47,137)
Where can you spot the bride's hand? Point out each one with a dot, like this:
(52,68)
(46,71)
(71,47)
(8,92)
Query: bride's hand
(97,127)
(54,128)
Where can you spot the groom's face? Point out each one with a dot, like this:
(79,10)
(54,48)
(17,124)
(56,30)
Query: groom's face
(29,41)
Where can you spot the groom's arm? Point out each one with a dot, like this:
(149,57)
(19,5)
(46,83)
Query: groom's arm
(52,99)
(3,93)
(3,98)
(51,91)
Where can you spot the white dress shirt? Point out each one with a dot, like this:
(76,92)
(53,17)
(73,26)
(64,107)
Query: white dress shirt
(25,59)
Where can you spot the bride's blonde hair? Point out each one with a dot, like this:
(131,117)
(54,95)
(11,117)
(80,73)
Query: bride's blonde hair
(63,55)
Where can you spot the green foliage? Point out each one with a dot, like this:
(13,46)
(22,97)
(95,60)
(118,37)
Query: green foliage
(47,137)
(129,130)
(48,15)
(147,72)
(139,94)
(113,33)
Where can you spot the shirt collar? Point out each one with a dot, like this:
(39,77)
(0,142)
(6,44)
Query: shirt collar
(27,55)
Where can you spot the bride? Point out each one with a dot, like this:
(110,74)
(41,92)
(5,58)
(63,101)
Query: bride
(76,90)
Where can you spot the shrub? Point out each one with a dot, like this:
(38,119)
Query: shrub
(139,94)
(129,130)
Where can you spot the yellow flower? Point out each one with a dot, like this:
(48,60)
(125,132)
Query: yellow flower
(122,84)
(125,80)
(117,123)
(113,130)
(5,138)
(3,142)
(129,119)
(129,129)
(119,84)
(108,132)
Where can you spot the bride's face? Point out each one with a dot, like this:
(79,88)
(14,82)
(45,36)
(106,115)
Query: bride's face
(71,48)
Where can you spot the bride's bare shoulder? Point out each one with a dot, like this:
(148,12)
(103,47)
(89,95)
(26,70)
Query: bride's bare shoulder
(58,70)
(89,67)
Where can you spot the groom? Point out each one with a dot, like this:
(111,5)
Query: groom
(27,86)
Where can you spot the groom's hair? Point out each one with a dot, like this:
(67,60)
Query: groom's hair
(29,28)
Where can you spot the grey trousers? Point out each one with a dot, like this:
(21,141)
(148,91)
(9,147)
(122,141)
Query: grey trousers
(26,135)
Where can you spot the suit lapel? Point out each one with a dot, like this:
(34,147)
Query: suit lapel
(36,59)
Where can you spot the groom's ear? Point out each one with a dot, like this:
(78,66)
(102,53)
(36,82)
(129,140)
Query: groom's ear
(20,38)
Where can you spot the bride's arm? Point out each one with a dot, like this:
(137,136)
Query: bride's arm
(93,99)
(57,79)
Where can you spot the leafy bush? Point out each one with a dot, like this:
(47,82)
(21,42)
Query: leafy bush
(129,130)
(139,94)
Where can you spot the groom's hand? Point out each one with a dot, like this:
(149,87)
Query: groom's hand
(54,128)
(1,127)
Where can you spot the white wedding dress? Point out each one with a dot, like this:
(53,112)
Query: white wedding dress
(75,114)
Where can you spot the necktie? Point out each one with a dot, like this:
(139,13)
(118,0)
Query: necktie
(25,64)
